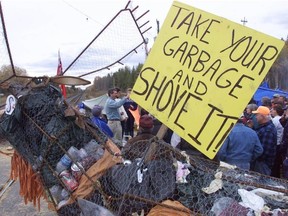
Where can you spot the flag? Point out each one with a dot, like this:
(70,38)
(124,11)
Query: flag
(60,73)
(136,115)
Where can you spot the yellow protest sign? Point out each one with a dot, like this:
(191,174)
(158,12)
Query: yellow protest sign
(200,74)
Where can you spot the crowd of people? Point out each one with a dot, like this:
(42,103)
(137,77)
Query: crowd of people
(115,119)
(257,142)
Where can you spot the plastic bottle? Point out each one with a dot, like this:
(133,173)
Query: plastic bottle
(60,167)
(74,153)
(82,154)
(55,191)
(66,161)
(91,147)
(64,194)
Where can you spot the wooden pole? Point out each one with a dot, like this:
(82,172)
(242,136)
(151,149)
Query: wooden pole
(162,131)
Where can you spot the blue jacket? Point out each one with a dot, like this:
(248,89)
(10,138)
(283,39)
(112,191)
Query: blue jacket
(102,125)
(240,147)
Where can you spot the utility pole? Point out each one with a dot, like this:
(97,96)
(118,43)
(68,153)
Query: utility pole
(146,46)
(244,21)
(158,28)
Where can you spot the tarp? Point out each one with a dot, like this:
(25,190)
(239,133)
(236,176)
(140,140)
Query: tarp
(101,100)
(267,92)
(262,91)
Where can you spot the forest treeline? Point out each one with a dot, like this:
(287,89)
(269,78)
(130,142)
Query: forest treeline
(123,78)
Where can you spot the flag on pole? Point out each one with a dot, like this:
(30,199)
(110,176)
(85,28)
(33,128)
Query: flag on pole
(60,73)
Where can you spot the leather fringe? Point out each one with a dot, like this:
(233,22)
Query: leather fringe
(31,188)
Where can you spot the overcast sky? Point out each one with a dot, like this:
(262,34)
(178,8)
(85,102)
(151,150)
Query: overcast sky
(38,29)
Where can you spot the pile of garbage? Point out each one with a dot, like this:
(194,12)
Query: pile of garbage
(82,171)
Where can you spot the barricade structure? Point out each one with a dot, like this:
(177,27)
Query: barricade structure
(149,177)
(61,156)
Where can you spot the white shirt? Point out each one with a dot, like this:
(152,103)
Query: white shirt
(279,128)
(122,112)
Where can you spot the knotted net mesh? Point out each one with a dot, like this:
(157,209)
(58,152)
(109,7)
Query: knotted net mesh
(84,172)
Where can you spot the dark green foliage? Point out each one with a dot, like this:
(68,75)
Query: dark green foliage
(124,78)
(277,76)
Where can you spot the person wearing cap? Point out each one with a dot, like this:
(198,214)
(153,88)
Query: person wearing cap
(112,113)
(146,125)
(238,151)
(267,134)
(99,122)
(249,118)
(82,109)
(133,149)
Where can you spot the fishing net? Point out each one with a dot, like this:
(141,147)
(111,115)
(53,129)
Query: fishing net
(113,46)
(79,170)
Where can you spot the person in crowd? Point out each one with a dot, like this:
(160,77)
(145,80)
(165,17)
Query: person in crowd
(267,134)
(275,99)
(145,129)
(129,106)
(252,122)
(134,149)
(284,143)
(99,122)
(238,151)
(266,101)
(276,113)
(81,108)
(112,113)
(284,118)
(122,111)
(282,100)
(248,115)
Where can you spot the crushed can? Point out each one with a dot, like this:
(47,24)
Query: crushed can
(76,171)
(68,180)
